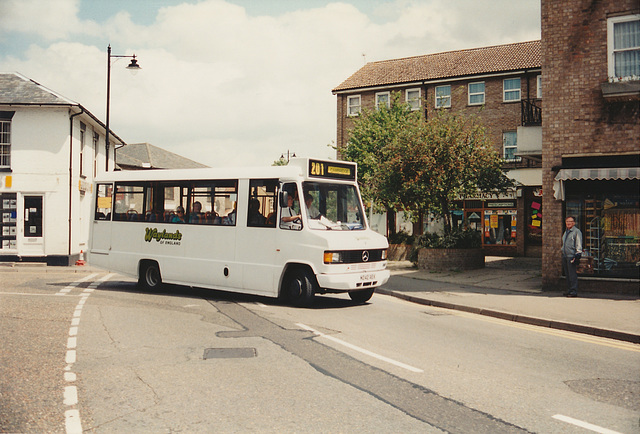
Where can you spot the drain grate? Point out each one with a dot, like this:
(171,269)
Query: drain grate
(229,353)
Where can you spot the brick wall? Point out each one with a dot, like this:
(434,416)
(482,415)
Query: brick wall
(496,115)
(577,119)
(450,259)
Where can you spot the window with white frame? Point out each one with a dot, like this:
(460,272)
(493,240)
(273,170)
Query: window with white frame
(383,99)
(539,87)
(413,98)
(476,93)
(511,89)
(96,138)
(83,132)
(623,42)
(443,96)
(5,139)
(353,105)
(510,145)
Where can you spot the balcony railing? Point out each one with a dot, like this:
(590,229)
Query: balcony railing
(531,113)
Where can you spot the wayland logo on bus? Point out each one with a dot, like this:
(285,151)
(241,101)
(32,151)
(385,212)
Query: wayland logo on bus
(164,237)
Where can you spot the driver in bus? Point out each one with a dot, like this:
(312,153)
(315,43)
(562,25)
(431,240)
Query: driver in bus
(290,219)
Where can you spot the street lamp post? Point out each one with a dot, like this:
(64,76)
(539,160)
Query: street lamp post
(133,67)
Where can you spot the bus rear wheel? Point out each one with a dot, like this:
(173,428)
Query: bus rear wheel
(150,278)
(361,296)
(300,288)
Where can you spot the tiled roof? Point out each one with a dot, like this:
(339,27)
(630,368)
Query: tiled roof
(17,89)
(148,156)
(451,64)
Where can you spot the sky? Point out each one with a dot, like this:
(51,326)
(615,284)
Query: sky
(236,82)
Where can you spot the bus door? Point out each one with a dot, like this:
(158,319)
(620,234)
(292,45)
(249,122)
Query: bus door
(256,236)
(101,226)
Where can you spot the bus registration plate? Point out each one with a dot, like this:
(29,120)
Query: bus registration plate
(368,277)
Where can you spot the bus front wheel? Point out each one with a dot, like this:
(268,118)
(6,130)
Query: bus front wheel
(300,288)
(361,296)
(150,278)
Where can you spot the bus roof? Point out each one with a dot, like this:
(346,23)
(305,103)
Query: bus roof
(296,169)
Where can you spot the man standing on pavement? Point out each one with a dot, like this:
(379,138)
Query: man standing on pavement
(571,254)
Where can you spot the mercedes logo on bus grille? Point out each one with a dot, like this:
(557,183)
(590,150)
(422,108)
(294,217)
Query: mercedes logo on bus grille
(365,256)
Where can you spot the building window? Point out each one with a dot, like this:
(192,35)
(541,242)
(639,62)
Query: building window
(511,89)
(413,98)
(353,105)
(624,46)
(510,145)
(539,87)
(476,93)
(382,99)
(96,137)
(443,96)
(5,143)
(83,131)
(5,139)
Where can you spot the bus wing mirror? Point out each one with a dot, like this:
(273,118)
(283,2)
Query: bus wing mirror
(284,199)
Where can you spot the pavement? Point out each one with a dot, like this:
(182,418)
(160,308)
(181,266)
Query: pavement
(511,289)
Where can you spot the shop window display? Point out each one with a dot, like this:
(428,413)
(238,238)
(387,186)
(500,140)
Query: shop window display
(608,215)
(500,227)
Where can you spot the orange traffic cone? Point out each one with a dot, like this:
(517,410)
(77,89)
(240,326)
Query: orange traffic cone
(80,260)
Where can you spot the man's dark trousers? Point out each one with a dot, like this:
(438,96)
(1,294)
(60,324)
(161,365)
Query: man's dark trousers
(571,271)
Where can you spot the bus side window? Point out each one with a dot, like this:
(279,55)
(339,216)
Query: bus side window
(262,203)
(129,202)
(103,202)
(225,196)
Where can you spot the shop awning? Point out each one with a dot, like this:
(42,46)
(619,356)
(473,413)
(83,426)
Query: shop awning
(591,174)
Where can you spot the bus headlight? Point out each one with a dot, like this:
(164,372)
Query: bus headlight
(332,257)
(383,254)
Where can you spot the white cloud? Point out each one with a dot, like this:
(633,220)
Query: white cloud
(49,19)
(221,86)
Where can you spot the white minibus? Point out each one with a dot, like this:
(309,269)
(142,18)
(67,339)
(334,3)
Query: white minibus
(281,231)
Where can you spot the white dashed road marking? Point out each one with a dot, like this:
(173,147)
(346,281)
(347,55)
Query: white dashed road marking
(67,289)
(585,425)
(360,350)
(72,422)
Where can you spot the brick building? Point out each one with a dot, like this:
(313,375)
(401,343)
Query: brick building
(499,84)
(591,138)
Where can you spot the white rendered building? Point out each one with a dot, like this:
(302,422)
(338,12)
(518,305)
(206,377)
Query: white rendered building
(51,148)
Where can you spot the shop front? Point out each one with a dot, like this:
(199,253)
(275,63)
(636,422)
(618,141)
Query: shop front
(494,218)
(606,206)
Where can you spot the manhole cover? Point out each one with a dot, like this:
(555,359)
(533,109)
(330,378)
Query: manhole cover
(229,353)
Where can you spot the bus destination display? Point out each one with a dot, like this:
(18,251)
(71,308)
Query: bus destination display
(332,170)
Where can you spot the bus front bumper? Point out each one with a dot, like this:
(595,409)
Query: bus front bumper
(353,281)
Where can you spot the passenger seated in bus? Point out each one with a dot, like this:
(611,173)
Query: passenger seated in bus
(195,216)
(230,218)
(312,210)
(178,217)
(290,219)
(255,218)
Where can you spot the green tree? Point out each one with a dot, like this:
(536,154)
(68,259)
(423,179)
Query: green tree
(369,140)
(452,158)
(416,165)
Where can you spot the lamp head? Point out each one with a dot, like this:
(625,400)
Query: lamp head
(133,66)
